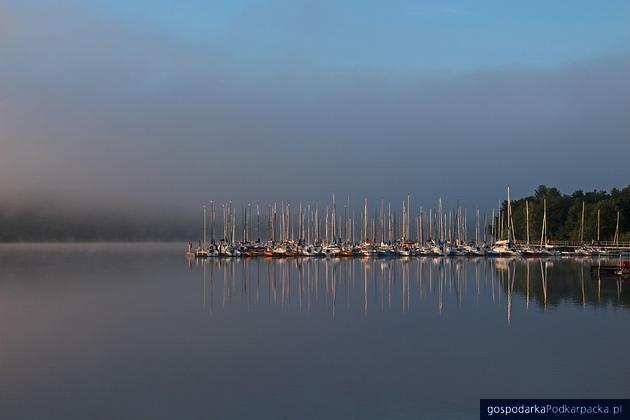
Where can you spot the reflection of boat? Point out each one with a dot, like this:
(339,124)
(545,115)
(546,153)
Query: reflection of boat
(618,270)
(511,274)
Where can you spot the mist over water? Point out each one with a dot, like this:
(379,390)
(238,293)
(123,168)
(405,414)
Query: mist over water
(139,331)
(128,117)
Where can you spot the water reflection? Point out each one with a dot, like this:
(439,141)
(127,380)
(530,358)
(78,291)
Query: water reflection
(136,331)
(381,285)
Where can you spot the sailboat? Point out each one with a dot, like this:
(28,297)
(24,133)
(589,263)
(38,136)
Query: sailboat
(203,250)
(505,247)
(599,251)
(582,250)
(546,250)
(528,251)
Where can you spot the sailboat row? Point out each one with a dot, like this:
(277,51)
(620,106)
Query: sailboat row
(382,234)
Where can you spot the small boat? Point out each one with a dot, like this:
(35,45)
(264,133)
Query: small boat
(368,250)
(331,250)
(502,248)
(189,252)
(582,251)
(202,252)
(618,270)
(473,251)
(436,251)
(529,252)
(385,250)
(346,251)
(404,252)
(279,251)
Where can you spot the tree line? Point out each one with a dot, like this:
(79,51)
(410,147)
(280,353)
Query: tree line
(564,214)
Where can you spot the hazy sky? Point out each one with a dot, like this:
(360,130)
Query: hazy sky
(175,103)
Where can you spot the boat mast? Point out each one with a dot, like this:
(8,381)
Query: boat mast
(389,222)
(545,221)
(308,217)
(598,226)
(403,227)
(365,220)
(300,224)
(233,237)
(500,233)
(508,215)
(527,219)
(258,222)
(382,221)
(326,237)
(460,224)
(440,217)
(408,212)
(582,226)
(485,227)
(204,225)
(421,227)
(290,231)
(274,221)
(465,225)
(616,238)
(317,223)
(248,217)
(352,226)
(510,230)
(212,221)
(332,217)
(493,226)
(224,222)
(449,226)
(373,225)
(477,226)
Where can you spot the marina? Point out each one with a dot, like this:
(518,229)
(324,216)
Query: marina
(384,232)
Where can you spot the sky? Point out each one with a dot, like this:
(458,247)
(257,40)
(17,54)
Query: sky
(166,105)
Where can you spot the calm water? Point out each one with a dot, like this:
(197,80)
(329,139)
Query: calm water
(140,332)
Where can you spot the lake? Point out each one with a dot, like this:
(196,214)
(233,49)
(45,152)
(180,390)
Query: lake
(138,331)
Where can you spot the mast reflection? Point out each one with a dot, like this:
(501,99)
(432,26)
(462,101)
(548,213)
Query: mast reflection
(384,285)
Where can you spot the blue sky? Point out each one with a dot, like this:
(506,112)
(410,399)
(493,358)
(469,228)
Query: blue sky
(396,35)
